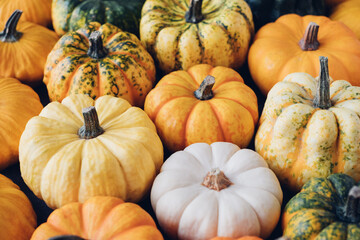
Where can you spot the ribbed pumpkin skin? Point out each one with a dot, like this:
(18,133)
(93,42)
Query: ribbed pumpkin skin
(128,71)
(71,15)
(121,162)
(36,11)
(18,219)
(100,218)
(221,39)
(25,59)
(300,141)
(312,213)
(182,119)
(348,13)
(14,116)
(275,52)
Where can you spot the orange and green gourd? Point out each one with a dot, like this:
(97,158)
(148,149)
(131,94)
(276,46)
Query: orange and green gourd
(326,208)
(182,33)
(100,60)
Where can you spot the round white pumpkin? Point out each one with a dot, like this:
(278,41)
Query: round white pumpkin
(216,190)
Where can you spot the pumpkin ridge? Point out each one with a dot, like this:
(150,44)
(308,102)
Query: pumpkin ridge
(201,43)
(231,40)
(178,58)
(180,4)
(99,82)
(70,82)
(156,111)
(177,85)
(218,118)
(186,120)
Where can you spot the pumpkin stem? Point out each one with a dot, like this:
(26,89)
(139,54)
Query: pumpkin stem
(96,48)
(322,97)
(91,127)
(216,180)
(310,40)
(9,34)
(204,92)
(66,237)
(194,14)
(352,207)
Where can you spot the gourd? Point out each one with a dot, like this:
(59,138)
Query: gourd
(294,44)
(182,33)
(99,218)
(71,15)
(99,60)
(14,116)
(326,208)
(82,148)
(348,12)
(310,128)
(24,47)
(204,104)
(214,190)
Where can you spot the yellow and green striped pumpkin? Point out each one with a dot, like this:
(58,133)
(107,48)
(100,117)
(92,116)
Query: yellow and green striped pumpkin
(326,208)
(100,60)
(183,33)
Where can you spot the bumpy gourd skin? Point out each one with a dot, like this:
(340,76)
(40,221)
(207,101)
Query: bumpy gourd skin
(221,39)
(315,212)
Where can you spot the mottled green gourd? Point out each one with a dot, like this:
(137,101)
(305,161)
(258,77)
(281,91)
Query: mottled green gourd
(326,208)
(70,15)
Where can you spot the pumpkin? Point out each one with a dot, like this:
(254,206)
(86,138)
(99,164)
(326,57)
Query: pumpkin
(99,218)
(18,219)
(241,238)
(14,116)
(310,128)
(99,60)
(348,13)
(36,11)
(70,153)
(214,190)
(24,46)
(204,104)
(326,208)
(180,34)
(294,44)
(266,11)
(71,15)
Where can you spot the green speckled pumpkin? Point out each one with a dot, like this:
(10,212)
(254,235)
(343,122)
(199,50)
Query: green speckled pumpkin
(100,60)
(326,208)
(70,15)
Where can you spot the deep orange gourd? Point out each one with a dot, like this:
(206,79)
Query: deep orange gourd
(18,103)
(36,11)
(18,219)
(224,111)
(24,47)
(276,51)
(348,12)
(100,218)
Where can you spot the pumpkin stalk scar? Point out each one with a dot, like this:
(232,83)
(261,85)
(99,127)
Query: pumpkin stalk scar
(194,14)
(9,34)
(216,180)
(352,207)
(96,48)
(310,40)
(204,92)
(66,237)
(322,97)
(91,128)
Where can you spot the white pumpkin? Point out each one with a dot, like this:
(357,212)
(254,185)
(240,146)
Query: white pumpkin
(216,190)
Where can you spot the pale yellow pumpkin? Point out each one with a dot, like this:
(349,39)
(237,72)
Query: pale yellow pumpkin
(116,153)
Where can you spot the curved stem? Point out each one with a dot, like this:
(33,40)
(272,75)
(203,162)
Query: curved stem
(310,40)
(66,237)
(96,48)
(194,14)
(352,207)
(9,34)
(204,92)
(91,128)
(216,180)
(322,97)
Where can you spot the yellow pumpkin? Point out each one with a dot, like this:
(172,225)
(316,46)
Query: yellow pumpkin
(69,153)
(310,128)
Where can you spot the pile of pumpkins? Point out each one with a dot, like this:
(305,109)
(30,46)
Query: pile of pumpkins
(147,102)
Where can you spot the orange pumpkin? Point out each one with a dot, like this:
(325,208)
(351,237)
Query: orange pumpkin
(348,13)
(99,218)
(203,104)
(17,217)
(18,103)
(294,44)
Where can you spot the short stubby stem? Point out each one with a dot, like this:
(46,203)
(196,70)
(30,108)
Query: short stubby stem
(310,40)
(204,92)
(216,180)
(9,34)
(194,14)
(96,47)
(352,207)
(91,128)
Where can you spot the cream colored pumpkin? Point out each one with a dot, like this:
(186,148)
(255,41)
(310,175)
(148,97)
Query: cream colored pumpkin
(216,190)
(119,157)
